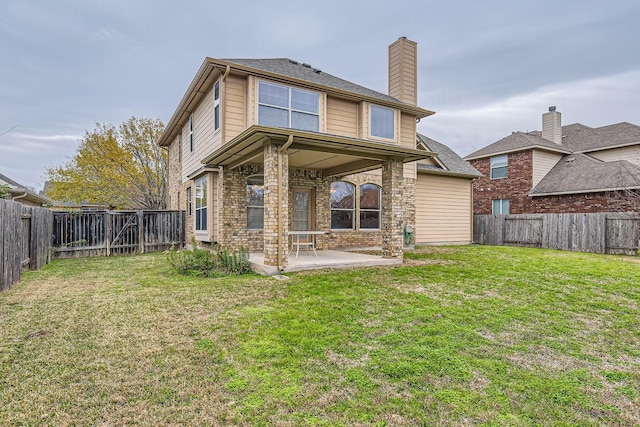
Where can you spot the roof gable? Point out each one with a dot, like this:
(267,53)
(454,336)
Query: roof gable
(517,141)
(452,163)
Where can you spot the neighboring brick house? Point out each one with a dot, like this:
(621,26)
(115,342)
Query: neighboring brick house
(259,147)
(563,169)
(22,194)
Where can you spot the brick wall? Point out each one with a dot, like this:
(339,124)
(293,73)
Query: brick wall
(517,185)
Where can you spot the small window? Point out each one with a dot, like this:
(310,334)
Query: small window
(369,206)
(500,207)
(191,133)
(499,167)
(287,107)
(216,105)
(189,202)
(201,204)
(255,202)
(382,122)
(342,205)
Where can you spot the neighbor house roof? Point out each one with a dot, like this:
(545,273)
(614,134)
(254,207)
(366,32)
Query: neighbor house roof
(517,141)
(581,173)
(278,69)
(17,190)
(451,163)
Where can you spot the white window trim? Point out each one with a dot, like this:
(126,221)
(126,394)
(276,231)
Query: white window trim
(499,160)
(493,212)
(395,124)
(216,105)
(289,109)
(191,133)
(203,231)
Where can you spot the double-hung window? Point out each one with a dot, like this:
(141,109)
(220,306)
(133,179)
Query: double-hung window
(382,122)
(189,202)
(255,202)
(499,166)
(342,205)
(369,206)
(500,207)
(287,107)
(201,203)
(216,105)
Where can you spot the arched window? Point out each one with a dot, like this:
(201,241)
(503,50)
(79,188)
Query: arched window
(342,205)
(369,206)
(255,202)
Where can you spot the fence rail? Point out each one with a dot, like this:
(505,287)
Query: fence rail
(105,233)
(25,240)
(610,233)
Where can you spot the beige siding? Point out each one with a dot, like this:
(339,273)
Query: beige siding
(342,117)
(408,139)
(543,162)
(630,154)
(443,210)
(205,139)
(403,82)
(234,106)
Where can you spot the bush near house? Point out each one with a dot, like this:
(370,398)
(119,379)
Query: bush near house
(472,335)
(209,262)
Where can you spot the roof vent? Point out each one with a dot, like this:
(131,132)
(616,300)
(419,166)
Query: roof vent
(293,62)
(304,64)
(315,70)
(570,159)
(552,108)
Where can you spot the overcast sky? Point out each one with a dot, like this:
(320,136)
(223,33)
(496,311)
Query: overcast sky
(486,67)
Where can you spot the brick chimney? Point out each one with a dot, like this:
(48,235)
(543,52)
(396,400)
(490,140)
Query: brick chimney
(403,70)
(552,125)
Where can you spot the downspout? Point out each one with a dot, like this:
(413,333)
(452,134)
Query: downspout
(19,197)
(281,149)
(226,73)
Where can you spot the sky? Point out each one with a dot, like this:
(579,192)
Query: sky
(487,68)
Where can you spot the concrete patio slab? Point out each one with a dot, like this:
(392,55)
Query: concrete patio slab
(325,259)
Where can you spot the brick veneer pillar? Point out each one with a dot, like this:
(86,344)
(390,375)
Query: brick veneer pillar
(272,205)
(392,201)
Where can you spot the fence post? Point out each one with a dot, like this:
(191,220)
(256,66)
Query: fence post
(141,231)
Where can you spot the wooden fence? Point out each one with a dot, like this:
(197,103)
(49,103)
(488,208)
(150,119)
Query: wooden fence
(610,233)
(25,240)
(105,233)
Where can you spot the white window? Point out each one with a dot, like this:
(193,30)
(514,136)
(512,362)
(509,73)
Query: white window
(287,107)
(201,203)
(191,133)
(189,202)
(369,206)
(500,207)
(382,122)
(216,105)
(255,202)
(342,205)
(499,166)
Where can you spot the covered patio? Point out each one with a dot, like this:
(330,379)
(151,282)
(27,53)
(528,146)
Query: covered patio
(278,151)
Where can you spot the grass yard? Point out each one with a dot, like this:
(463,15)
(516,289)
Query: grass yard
(457,336)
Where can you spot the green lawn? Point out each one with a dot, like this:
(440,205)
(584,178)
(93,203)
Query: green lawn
(456,336)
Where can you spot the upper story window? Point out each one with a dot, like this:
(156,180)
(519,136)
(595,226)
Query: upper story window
(500,207)
(287,107)
(201,203)
(382,122)
(342,205)
(499,166)
(216,105)
(191,133)
(369,206)
(255,202)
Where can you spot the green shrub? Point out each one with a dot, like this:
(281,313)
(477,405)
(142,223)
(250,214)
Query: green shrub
(208,262)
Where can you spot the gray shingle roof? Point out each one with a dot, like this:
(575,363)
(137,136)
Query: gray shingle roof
(296,70)
(452,162)
(580,173)
(515,142)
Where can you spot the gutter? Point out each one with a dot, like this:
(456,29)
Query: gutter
(19,197)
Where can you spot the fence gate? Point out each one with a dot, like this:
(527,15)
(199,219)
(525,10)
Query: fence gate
(108,233)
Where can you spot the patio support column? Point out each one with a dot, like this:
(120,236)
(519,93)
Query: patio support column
(392,194)
(276,173)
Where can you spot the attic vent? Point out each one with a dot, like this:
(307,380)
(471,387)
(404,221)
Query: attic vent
(570,159)
(304,64)
(293,62)
(315,70)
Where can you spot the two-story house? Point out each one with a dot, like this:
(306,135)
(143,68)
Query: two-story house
(261,148)
(563,169)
